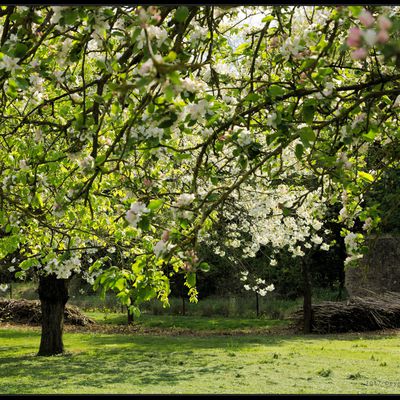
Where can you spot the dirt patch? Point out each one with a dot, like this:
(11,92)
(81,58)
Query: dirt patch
(155,331)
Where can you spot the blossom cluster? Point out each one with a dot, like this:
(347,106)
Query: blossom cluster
(361,39)
(259,286)
(63,269)
(135,213)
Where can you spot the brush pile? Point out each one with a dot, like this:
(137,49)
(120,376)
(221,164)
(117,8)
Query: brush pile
(29,312)
(357,314)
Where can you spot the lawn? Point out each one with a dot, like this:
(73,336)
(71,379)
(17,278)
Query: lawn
(129,363)
(188,323)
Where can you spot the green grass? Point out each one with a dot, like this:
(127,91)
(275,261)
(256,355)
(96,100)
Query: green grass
(187,322)
(102,363)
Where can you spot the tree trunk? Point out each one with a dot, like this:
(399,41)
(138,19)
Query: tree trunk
(130,317)
(257,306)
(307,308)
(183,306)
(53,295)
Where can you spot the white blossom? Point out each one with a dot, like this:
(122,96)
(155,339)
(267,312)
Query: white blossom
(370,36)
(324,246)
(9,63)
(244,138)
(197,110)
(136,211)
(146,67)
(367,224)
(184,199)
(23,165)
(3,287)
(86,163)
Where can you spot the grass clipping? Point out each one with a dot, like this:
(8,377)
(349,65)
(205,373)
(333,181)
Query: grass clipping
(29,312)
(357,314)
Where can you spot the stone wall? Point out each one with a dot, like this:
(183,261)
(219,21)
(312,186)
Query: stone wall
(379,270)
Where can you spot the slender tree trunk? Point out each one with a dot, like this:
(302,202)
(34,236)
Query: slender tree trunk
(130,317)
(257,306)
(183,306)
(130,314)
(53,295)
(307,308)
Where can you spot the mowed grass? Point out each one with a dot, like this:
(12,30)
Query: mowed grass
(134,364)
(186,323)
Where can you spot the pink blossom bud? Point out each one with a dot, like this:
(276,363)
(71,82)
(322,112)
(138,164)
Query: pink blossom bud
(382,37)
(303,77)
(354,39)
(384,23)
(359,54)
(366,18)
(147,182)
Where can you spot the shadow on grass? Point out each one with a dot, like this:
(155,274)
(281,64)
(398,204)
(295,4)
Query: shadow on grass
(112,361)
(108,367)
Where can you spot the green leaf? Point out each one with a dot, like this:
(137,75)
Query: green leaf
(181,14)
(120,284)
(144,223)
(20,50)
(30,262)
(95,266)
(275,90)
(355,10)
(169,93)
(39,199)
(100,159)
(307,135)
(134,310)
(308,113)
(171,118)
(299,150)
(267,18)
(98,99)
(170,57)
(205,267)
(366,176)
(252,97)
(145,293)
(241,48)
(370,136)
(212,197)
(70,16)
(155,204)
(174,77)
(191,279)
(184,223)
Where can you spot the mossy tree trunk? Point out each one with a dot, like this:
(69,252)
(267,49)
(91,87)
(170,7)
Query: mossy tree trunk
(53,295)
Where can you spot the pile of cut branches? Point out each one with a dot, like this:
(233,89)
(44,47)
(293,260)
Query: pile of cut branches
(357,314)
(29,312)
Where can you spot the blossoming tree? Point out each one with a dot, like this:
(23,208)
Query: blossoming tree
(125,130)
